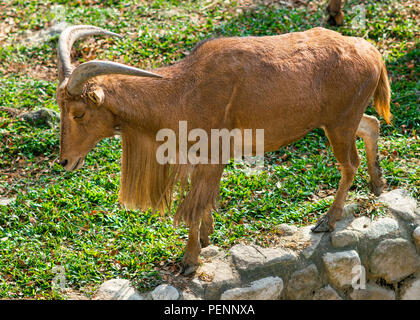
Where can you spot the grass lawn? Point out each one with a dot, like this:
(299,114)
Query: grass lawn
(72,220)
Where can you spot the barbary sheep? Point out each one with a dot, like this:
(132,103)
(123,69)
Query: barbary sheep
(286,85)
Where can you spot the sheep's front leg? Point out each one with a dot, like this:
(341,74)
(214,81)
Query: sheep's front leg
(191,259)
(335,15)
(196,209)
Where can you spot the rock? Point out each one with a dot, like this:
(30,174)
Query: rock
(351,234)
(117,289)
(401,203)
(41,117)
(416,237)
(303,282)
(382,227)
(253,261)
(245,257)
(349,210)
(394,260)
(411,290)
(188,295)
(373,292)
(164,292)
(197,287)
(349,231)
(211,252)
(286,230)
(305,234)
(6,201)
(45,35)
(344,238)
(71,294)
(277,256)
(326,293)
(219,277)
(340,266)
(361,224)
(264,289)
(347,217)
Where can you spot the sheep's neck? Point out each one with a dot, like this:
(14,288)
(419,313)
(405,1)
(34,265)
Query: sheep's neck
(144,103)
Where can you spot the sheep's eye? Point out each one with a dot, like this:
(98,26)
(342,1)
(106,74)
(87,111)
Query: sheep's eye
(78,117)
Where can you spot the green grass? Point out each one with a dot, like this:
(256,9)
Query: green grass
(73,220)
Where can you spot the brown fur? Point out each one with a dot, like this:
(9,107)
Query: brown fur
(144,182)
(287,85)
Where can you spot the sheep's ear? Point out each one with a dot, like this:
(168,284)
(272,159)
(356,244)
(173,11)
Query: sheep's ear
(97,96)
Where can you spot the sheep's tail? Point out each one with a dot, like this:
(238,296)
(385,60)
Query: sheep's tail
(382,96)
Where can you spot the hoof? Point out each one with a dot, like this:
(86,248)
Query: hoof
(204,242)
(189,267)
(377,188)
(331,21)
(323,225)
(189,270)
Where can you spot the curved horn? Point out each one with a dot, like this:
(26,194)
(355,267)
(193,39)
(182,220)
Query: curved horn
(66,40)
(90,69)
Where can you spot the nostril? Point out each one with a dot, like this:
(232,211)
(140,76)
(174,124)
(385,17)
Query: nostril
(64,162)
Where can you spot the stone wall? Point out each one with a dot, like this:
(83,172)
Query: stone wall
(363,258)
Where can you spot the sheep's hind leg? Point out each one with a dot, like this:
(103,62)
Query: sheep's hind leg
(343,143)
(368,130)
